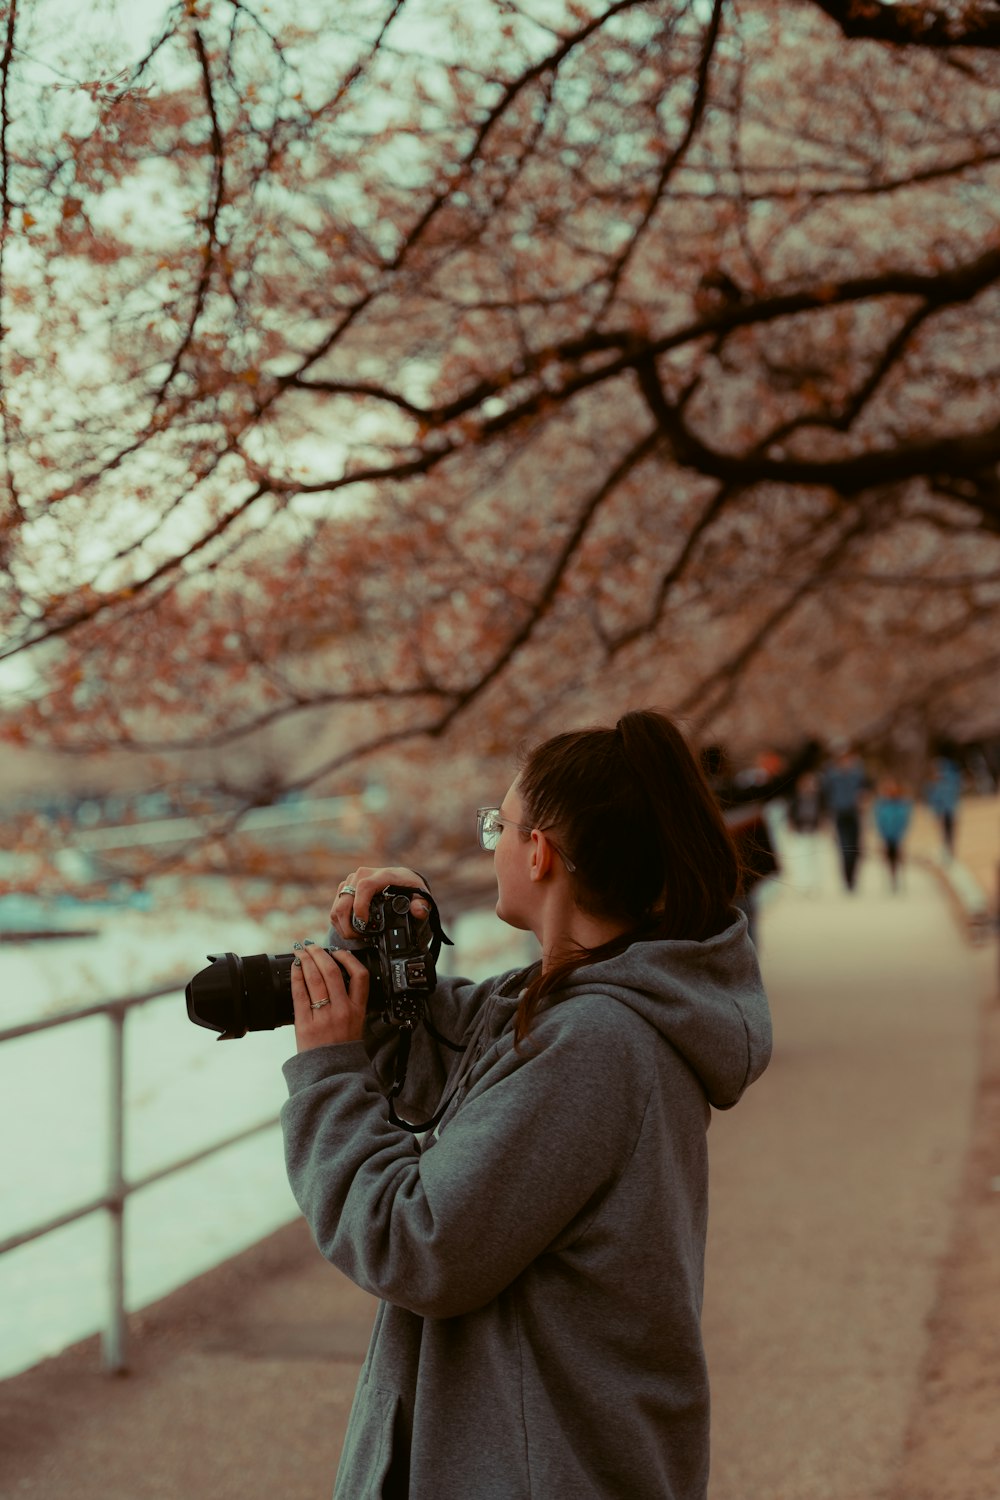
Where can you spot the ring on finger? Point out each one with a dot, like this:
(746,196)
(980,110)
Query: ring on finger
(318,1004)
(348,890)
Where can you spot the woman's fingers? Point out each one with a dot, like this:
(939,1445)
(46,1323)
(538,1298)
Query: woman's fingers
(343,905)
(324,980)
(356,988)
(328,1011)
(301,998)
(354,898)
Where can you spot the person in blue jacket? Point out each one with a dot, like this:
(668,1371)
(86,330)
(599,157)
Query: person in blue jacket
(844,783)
(942,793)
(538,1245)
(892,811)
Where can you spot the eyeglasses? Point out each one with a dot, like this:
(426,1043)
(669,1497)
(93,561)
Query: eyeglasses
(490,825)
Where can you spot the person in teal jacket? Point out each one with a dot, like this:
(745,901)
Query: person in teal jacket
(943,793)
(892,811)
(539,1250)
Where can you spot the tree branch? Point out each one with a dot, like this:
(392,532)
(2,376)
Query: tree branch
(916,25)
(673,158)
(12,497)
(211,220)
(724,680)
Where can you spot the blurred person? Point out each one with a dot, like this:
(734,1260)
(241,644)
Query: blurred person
(942,794)
(892,810)
(844,783)
(743,799)
(805,817)
(539,1244)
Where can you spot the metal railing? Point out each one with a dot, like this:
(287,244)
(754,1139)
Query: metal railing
(119,1188)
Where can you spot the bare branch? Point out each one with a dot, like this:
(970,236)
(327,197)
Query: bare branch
(211,220)
(672,160)
(12,498)
(917,25)
(715,693)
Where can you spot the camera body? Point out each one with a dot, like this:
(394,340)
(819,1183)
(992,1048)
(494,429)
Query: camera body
(236,994)
(398,960)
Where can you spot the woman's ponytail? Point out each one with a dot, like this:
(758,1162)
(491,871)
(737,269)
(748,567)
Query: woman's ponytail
(632,809)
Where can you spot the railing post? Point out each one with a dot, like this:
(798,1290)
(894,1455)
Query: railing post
(116,1191)
(115,1334)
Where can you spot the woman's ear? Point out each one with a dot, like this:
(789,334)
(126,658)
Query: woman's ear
(543,856)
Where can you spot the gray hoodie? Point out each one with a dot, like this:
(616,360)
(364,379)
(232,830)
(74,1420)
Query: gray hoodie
(539,1255)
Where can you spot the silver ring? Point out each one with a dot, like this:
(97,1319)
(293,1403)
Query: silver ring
(348,890)
(318,1004)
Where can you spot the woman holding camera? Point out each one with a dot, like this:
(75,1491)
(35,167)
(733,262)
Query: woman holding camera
(539,1251)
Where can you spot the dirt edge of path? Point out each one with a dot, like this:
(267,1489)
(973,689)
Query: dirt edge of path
(952,1446)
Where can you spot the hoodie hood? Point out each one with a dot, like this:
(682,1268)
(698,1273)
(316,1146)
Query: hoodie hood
(706,999)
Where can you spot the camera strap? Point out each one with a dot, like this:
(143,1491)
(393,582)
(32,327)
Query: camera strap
(438,934)
(438,937)
(402,1059)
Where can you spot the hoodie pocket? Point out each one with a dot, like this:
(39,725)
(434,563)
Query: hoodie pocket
(374,1464)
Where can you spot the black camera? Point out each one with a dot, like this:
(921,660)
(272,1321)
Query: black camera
(235,995)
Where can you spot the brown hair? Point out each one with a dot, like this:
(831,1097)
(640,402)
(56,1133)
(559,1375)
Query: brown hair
(631,809)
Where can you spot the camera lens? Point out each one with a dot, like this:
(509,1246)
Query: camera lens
(215,995)
(235,995)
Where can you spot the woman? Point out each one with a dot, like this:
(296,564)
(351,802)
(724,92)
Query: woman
(540,1254)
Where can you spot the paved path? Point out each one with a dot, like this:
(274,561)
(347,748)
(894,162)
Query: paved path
(834,1185)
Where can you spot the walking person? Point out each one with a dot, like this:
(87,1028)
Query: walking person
(844,782)
(942,794)
(539,1252)
(744,802)
(805,816)
(892,811)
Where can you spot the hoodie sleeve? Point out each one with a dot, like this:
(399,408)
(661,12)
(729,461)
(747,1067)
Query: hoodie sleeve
(525,1161)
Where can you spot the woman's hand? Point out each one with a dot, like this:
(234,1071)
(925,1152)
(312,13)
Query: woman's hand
(356,892)
(327,1010)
